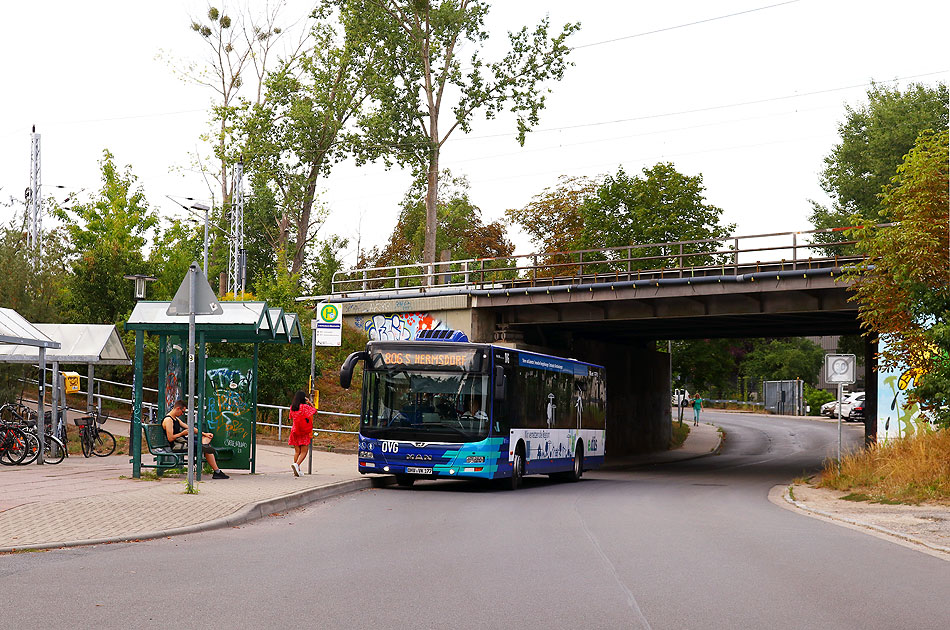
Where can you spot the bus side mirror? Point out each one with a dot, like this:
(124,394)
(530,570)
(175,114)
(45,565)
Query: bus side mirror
(500,382)
(346,372)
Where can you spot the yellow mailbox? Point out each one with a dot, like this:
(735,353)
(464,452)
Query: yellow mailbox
(71,382)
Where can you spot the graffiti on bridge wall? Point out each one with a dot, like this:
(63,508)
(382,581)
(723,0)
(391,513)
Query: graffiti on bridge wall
(397,326)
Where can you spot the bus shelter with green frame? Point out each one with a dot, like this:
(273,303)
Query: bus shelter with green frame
(240,322)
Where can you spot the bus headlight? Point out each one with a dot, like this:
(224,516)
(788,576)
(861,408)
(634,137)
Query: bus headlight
(479,459)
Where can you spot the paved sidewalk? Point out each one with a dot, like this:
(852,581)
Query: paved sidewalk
(84,501)
(88,501)
(703,439)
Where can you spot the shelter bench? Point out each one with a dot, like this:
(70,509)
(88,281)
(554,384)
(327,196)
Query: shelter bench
(165,457)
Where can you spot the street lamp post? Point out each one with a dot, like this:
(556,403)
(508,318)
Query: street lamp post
(203,207)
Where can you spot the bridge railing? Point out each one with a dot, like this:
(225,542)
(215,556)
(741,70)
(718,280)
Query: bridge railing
(731,255)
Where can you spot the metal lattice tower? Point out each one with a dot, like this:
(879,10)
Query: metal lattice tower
(35,202)
(236,256)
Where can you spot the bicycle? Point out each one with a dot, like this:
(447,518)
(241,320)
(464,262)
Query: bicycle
(94,441)
(24,419)
(13,445)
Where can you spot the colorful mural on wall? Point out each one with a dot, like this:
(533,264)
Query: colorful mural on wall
(897,417)
(397,326)
(174,371)
(230,408)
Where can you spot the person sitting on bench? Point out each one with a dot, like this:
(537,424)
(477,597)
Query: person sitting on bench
(176,432)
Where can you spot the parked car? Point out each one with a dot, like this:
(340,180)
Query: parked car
(857,410)
(680,397)
(830,409)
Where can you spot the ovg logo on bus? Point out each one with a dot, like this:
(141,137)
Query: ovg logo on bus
(329,312)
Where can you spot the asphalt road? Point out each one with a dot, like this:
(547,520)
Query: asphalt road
(690,545)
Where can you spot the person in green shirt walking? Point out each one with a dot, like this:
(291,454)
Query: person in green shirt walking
(697,407)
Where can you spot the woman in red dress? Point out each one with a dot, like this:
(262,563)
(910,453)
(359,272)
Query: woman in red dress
(301,413)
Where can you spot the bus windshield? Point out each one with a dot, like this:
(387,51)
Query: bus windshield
(426,406)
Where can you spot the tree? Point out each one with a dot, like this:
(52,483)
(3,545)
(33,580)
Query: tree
(460,226)
(554,220)
(106,237)
(662,206)
(783,360)
(706,365)
(173,250)
(903,286)
(874,139)
(302,126)
(237,44)
(423,41)
(32,290)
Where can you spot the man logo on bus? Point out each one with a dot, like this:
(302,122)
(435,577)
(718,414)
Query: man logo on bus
(329,313)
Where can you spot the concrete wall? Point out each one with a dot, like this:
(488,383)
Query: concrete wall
(400,319)
(639,418)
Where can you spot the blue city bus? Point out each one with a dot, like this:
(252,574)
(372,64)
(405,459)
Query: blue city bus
(440,407)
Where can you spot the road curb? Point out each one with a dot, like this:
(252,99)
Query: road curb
(850,521)
(249,512)
(715,451)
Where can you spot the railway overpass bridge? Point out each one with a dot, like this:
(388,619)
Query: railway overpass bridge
(611,306)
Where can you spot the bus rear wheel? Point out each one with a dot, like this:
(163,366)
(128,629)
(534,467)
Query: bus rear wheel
(517,469)
(405,481)
(578,472)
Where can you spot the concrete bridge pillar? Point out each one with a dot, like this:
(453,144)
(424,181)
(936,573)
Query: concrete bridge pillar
(638,395)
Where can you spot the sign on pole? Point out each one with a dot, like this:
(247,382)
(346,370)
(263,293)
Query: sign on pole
(328,325)
(839,368)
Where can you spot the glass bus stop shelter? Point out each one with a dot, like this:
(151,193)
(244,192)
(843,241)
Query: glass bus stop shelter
(15,330)
(226,396)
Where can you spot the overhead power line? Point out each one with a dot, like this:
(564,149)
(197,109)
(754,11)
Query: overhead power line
(678,26)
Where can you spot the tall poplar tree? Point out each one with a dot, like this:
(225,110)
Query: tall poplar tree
(433,90)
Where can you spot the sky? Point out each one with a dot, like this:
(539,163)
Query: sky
(747,93)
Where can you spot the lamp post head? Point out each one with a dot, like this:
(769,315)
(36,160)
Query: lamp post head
(140,280)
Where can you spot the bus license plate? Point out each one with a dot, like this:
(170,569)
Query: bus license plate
(419,471)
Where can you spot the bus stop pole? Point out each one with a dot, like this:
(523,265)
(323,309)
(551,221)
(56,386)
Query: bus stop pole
(313,363)
(41,399)
(191,378)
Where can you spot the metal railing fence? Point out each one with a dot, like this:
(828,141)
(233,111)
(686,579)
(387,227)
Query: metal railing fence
(674,259)
(150,409)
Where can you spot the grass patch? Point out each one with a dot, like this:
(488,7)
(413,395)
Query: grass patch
(856,496)
(680,433)
(791,493)
(912,470)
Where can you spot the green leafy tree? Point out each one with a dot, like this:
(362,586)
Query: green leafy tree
(173,250)
(428,76)
(707,365)
(32,290)
(305,122)
(461,229)
(875,137)
(783,360)
(106,238)
(554,220)
(903,287)
(661,206)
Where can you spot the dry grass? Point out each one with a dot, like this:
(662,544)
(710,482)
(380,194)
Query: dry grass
(912,470)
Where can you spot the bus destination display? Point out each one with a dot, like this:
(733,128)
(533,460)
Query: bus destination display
(468,360)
